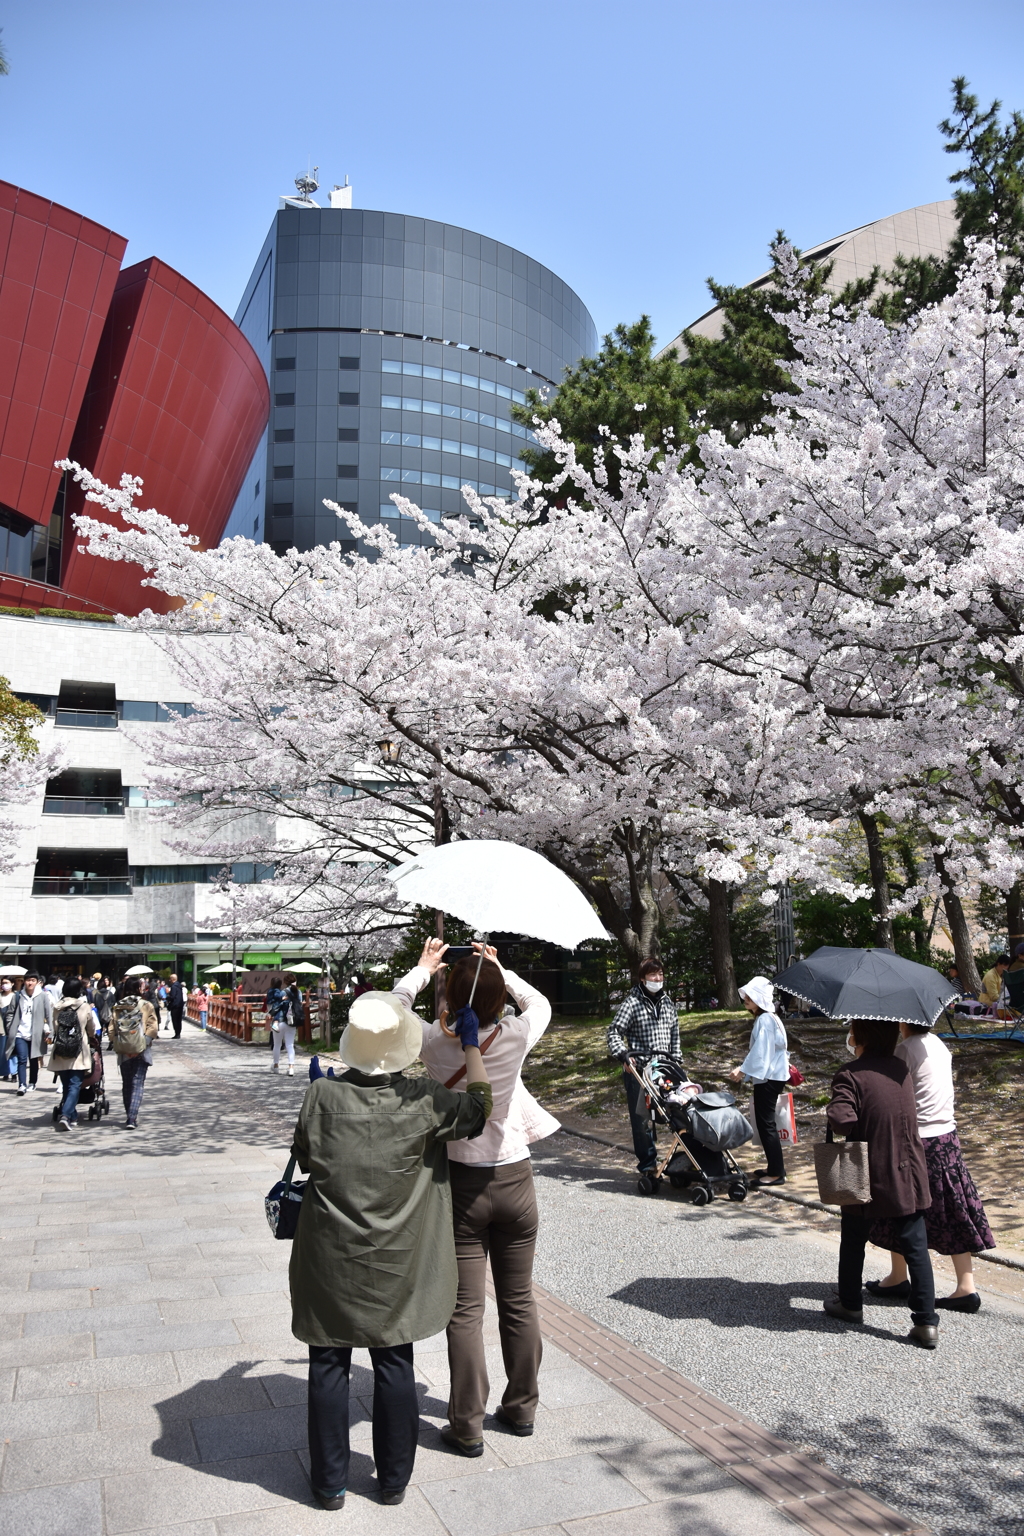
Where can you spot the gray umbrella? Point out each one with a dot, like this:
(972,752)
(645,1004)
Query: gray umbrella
(868,984)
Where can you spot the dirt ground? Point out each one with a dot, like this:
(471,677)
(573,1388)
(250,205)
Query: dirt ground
(572,1076)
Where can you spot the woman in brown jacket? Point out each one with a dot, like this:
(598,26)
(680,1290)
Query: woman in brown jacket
(873,1101)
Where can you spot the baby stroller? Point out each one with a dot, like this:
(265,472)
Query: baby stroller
(705,1128)
(93,1092)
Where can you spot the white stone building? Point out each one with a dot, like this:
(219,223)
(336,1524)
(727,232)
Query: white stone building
(96,885)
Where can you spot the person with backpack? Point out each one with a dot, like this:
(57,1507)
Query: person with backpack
(75,1029)
(278,1004)
(132,1029)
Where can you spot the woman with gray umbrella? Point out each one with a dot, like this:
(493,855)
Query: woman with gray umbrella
(955,1222)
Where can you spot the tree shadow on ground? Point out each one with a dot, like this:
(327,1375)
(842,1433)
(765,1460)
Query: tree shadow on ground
(957,1479)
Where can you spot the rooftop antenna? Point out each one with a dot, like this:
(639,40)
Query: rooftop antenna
(308,184)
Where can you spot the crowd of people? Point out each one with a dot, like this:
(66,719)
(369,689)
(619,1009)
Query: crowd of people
(65,1026)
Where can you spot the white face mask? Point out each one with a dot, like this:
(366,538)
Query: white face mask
(654,986)
(851,1048)
(5,985)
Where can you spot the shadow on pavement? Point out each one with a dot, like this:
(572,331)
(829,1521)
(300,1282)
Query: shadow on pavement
(732,1303)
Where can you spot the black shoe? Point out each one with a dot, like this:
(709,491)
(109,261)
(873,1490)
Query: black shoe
(971,1303)
(898,1292)
(392,1495)
(464,1447)
(517,1426)
(835,1308)
(329,1500)
(924,1335)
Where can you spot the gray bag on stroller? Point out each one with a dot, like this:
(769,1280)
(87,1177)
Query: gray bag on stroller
(717,1123)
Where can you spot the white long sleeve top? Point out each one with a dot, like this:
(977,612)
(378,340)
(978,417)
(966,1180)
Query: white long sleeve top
(767,1060)
(516,1119)
(931,1067)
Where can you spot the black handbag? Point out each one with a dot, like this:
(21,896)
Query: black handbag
(283,1205)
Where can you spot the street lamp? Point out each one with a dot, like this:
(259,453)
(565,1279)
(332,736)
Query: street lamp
(390,751)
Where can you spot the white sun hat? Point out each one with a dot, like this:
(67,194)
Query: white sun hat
(382,1035)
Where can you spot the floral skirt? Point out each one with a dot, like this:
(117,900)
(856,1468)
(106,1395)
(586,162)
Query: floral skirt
(956,1221)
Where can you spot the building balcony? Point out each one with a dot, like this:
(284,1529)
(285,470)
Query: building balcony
(82,885)
(87,719)
(83,805)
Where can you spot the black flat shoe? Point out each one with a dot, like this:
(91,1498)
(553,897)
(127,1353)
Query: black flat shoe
(329,1500)
(392,1495)
(464,1447)
(898,1292)
(517,1426)
(971,1303)
(766,1182)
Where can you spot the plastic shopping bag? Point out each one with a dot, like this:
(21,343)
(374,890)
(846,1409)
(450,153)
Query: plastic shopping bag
(785,1120)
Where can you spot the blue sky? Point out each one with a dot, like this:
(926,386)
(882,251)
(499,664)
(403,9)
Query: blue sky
(634,149)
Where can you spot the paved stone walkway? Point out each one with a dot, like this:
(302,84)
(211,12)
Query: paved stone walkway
(149,1379)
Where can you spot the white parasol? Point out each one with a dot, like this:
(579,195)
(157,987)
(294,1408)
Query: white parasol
(139,970)
(499,887)
(217,970)
(13,970)
(304,968)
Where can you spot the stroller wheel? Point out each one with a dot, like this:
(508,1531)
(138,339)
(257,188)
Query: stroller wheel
(648,1184)
(677,1181)
(700,1195)
(737,1190)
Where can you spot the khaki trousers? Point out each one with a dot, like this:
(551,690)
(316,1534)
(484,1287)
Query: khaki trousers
(495,1212)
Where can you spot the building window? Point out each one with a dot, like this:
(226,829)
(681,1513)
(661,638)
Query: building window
(348,397)
(348,471)
(348,362)
(284,471)
(284,434)
(257,490)
(348,434)
(284,399)
(453,376)
(285,365)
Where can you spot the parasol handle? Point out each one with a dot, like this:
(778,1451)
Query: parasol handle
(483,945)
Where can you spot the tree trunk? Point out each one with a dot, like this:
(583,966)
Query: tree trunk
(1014,917)
(958,929)
(879,880)
(721,945)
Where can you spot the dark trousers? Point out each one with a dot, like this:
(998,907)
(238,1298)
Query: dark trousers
(26,1068)
(766,1096)
(913,1244)
(176,1017)
(396,1416)
(639,1117)
(495,1213)
(133,1081)
(72,1082)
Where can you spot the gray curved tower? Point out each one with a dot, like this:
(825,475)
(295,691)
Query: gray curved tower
(394,347)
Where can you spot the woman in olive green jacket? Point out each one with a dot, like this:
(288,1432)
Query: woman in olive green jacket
(373,1262)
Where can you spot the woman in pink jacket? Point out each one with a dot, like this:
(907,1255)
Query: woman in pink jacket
(493,1199)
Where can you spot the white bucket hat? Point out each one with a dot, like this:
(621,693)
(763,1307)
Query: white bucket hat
(382,1035)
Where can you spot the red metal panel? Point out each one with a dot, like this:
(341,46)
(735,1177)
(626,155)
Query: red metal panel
(58,276)
(178,396)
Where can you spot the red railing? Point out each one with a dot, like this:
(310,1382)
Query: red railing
(237,1017)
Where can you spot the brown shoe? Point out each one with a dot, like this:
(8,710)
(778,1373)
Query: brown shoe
(517,1426)
(924,1335)
(835,1308)
(464,1447)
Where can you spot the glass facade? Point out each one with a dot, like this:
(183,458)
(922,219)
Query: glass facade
(394,348)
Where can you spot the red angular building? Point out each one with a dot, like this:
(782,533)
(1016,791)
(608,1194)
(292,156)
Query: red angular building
(132,371)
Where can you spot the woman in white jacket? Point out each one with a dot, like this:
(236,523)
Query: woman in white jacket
(766,1068)
(493,1199)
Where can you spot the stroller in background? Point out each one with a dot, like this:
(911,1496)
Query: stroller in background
(705,1129)
(94,1092)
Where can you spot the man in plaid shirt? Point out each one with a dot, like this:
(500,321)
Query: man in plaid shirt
(646,1024)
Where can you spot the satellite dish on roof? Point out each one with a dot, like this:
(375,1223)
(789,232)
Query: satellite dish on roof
(308,184)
